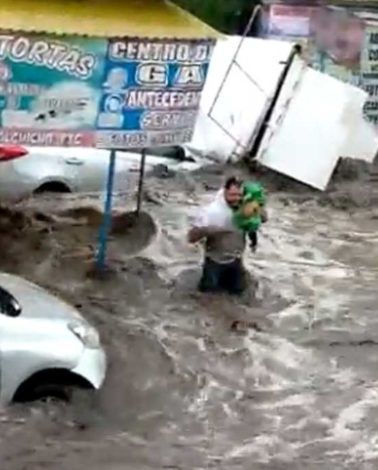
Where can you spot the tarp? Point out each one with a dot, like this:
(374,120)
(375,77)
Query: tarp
(110,18)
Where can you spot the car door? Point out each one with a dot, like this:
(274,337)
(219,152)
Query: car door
(86,168)
(92,167)
(80,169)
(40,166)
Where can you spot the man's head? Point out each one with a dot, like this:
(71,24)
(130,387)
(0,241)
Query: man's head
(233,191)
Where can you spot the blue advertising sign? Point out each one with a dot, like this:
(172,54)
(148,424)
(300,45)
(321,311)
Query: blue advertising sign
(50,89)
(151,92)
(72,91)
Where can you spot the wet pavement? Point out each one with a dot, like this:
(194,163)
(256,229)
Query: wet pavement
(285,377)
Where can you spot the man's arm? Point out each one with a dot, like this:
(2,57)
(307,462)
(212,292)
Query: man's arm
(196,234)
(201,228)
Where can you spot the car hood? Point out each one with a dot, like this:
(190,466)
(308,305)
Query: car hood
(37,302)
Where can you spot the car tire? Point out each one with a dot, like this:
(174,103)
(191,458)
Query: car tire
(54,384)
(53,187)
(53,391)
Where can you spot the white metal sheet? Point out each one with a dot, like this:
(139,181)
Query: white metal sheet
(312,125)
(243,98)
(361,137)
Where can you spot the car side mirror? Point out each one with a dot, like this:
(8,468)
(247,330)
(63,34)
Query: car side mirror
(8,304)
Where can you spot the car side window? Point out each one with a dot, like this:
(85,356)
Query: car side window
(9,306)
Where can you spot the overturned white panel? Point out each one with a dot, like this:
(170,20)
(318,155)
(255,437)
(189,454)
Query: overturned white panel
(309,131)
(244,96)
(361,137)
(236,118)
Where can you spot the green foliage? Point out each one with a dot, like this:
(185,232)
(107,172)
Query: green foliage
(228,16)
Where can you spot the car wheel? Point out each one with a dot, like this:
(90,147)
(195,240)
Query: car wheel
(53,187)
(51,391)
(56,384)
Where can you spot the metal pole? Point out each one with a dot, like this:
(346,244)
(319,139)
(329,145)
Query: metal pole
(245,33)
(107,219)
(258,134)
(141,180)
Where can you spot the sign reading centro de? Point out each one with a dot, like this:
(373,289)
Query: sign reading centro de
(74,91)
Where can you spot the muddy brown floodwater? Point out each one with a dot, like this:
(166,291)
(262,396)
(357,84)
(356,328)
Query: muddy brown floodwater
(285,378)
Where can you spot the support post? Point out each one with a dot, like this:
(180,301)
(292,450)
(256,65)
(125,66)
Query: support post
(233,62)
(141,181)
(237,50)
(258,134)
(107,218)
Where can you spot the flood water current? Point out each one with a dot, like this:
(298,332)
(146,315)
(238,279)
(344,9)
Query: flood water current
(284,378)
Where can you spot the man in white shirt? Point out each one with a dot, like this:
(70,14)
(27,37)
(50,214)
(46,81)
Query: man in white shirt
(224,244)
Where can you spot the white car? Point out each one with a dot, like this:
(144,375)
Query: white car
(46,346)
(24,171)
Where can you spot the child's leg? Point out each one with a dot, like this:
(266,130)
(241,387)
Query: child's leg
(253,239)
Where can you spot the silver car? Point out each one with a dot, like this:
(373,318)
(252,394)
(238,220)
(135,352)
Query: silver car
(46,346)
(28,170)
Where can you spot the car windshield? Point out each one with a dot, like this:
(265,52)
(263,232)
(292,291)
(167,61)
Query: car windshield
(8,304)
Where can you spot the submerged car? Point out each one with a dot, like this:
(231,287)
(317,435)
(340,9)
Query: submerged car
(47,348)
(28,170)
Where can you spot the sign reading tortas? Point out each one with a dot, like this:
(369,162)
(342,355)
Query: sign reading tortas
(72,91)
(50,89)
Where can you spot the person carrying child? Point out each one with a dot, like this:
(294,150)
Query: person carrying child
(224,226)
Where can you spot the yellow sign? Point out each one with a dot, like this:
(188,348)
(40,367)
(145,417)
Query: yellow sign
(98,18)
